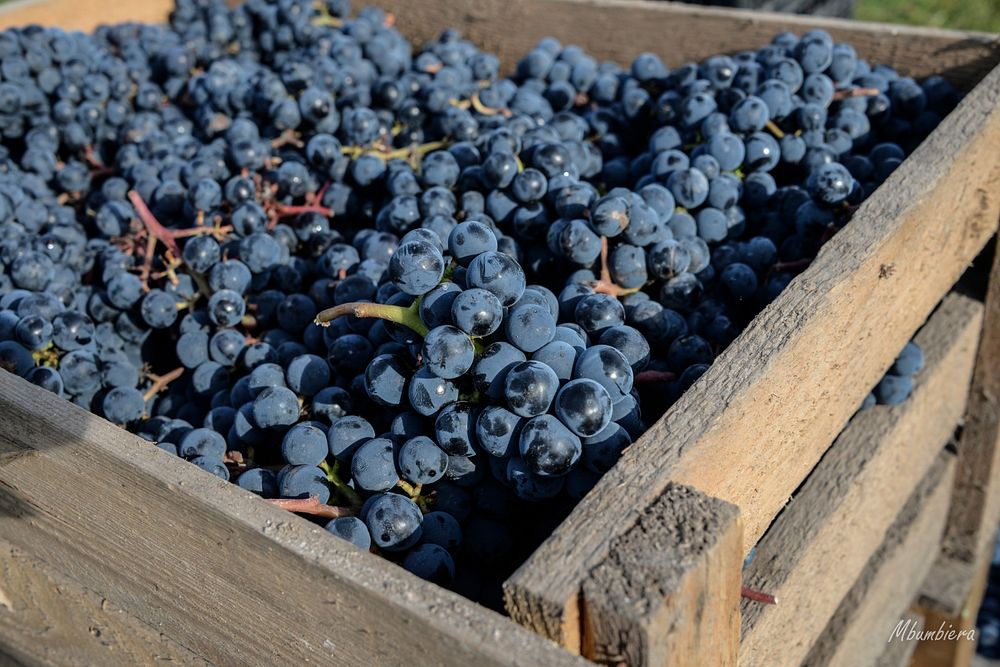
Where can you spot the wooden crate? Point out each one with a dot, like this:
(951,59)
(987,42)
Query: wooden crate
(157,558)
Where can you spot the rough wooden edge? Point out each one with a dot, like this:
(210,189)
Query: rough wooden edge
(976,506)
(752,428)
(898,653)
(668,593)
(955,650)
(817,547)
(216,569)
(82,14)
(619,30)
(872,612)
(48,619)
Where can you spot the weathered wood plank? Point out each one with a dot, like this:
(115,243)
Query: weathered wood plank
(877,603)
(82,14)
(955,650)
(48,619)
(230,577)
(814,551)
(898,653)
(619,30)
(752,428)
(976,507)
(668,593)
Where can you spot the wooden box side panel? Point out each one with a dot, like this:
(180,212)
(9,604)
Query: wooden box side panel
(82,15)
(619,30)
(817,547)
(226,575)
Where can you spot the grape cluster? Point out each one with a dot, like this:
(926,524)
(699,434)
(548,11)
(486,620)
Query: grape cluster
(516,274)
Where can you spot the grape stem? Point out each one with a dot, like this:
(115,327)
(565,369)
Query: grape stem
(654,376)
(757,596)
(311,505)
(605,285)
(153,226)
(407,317)
(855,92)
(333,477)
(774,129)
(161,382)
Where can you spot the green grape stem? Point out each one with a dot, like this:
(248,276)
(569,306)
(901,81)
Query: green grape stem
(407,317)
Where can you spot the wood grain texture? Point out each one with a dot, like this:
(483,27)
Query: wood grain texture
(899,653)
(955,651)
(867,616)
(668,593)
(619,30)
(82,14)
(976,506)
(817,547)
(228,576)
(753,427)
(48,619)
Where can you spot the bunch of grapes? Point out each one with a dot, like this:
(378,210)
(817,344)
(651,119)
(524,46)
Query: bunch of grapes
(515,275)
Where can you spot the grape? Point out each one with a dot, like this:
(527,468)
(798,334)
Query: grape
(529,388)
(441,528)
(431,562)
(372,466)
(353,530)
(477,312)
(429,393)
(894,389)
(499,274)
(909,361)
(393,521)
(122,405)
(260,481)
(421,461)
(346,435)
(608,367)
(548,448)
(447,352)
(385,380)
(490,371)
(304,444)
(584,407)
(202,442)
(275,407)
(416,267)
(454,427)
(469,240)
(530,326)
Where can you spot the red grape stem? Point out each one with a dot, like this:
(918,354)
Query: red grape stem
(407,317)
(153,226)
(161,382)
(654,376)
(605,285)
(313,506)
(757,596)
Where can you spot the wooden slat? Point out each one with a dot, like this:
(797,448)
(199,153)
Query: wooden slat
(668,594)
(898,653)
(955,650)
(976,506)
(82,14)
(868,615)
(619,30)
(218,571)
(753,427)
(48,619)
(814,551)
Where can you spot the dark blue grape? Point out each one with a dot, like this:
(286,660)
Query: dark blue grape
(393,521)
(447,352)
(351,529)
(529,388)
(421,461)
